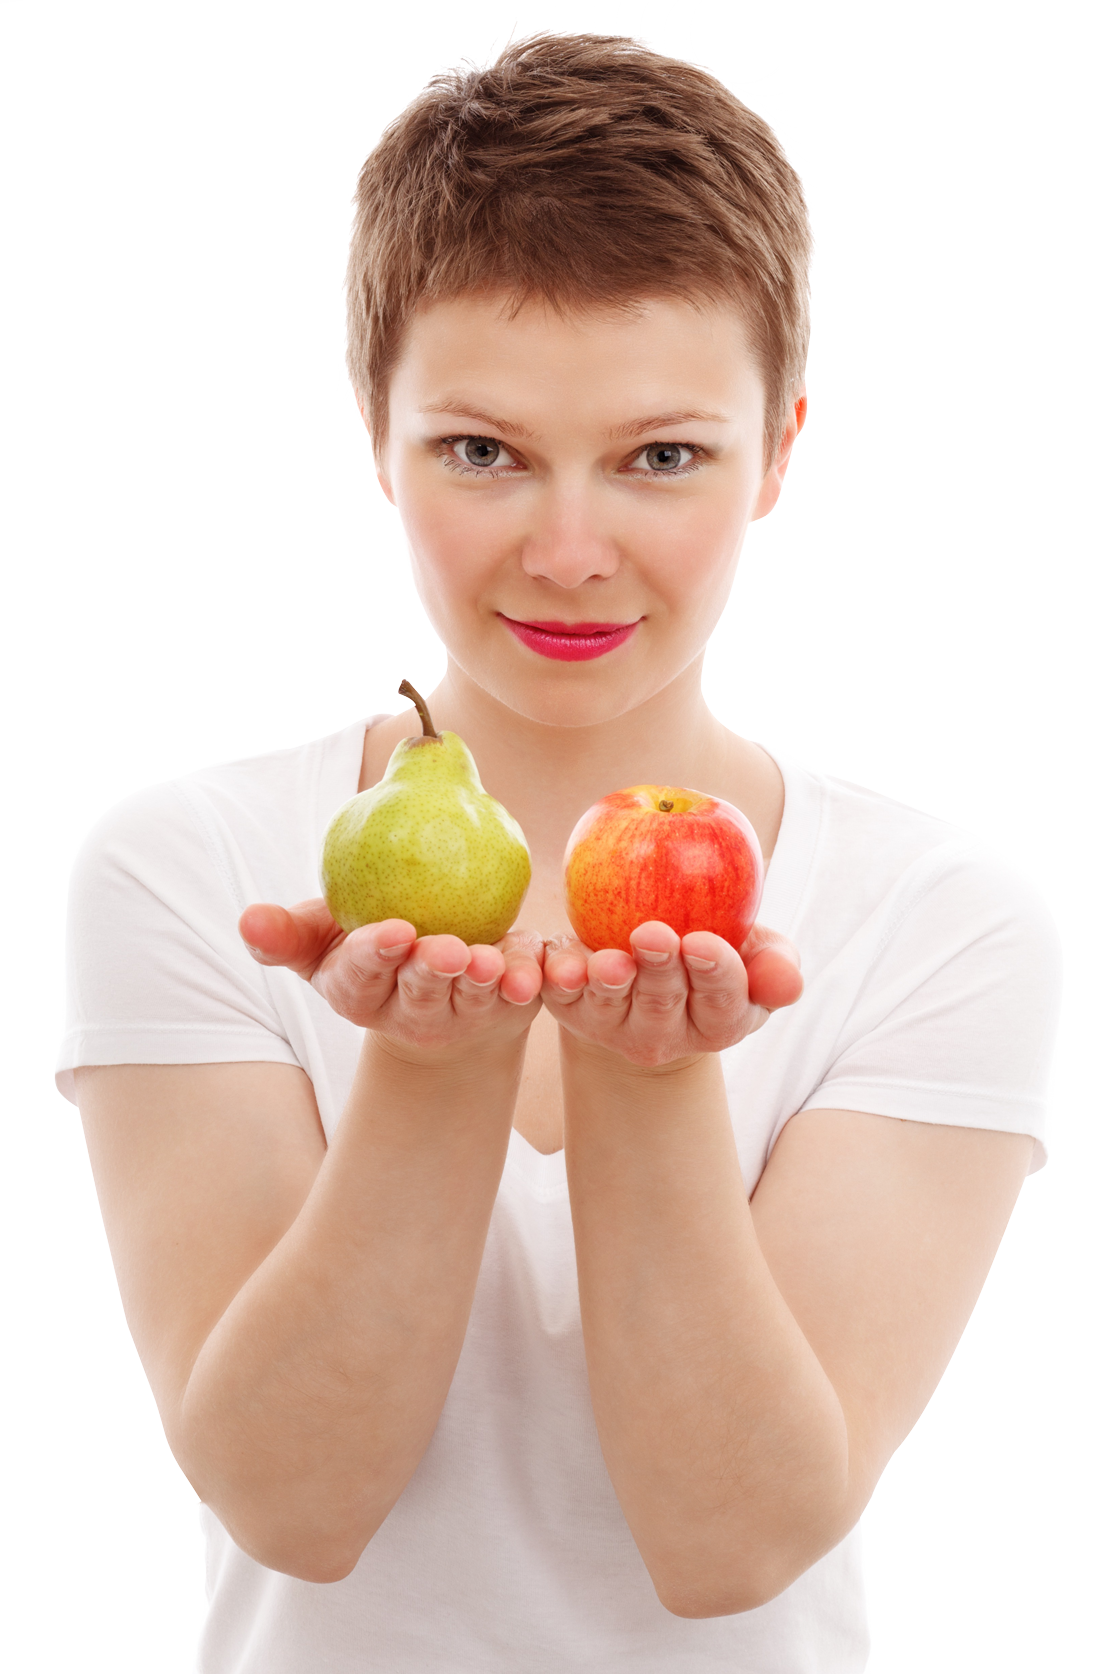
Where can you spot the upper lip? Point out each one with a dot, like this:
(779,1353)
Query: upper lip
(584,629)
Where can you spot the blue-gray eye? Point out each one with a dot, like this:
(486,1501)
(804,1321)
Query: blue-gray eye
(664,456)
(481,450)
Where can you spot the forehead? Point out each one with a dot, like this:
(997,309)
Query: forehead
(602,366)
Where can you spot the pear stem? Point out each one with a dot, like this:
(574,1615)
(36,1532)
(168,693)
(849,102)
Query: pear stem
(408,691)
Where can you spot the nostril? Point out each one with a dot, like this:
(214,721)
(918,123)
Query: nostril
(569,560)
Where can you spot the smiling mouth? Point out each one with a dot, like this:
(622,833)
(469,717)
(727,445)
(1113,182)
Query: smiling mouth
(571,642)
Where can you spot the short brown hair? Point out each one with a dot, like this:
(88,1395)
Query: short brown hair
(583,170)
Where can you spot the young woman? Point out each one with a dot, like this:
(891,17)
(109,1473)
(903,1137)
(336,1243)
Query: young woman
(510,1307)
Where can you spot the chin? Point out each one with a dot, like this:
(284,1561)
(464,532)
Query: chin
(568,698)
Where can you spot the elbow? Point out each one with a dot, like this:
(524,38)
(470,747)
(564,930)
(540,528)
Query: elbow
(306,1552)
(323,1568)
(323,1572)
(727,1571)
(732,1598)
(754,1580)
(310,1537)
(304,1559)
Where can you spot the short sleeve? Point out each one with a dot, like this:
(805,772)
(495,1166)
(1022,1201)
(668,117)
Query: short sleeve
(955,1019)
(156,971)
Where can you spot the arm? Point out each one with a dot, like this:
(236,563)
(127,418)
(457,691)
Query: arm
(753,1367)
(299,1311)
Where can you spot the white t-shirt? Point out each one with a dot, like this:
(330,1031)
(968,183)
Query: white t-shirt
(931,976)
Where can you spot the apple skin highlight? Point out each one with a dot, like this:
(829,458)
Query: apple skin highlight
(661,852)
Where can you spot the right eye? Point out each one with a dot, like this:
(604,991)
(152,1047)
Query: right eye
(481,452)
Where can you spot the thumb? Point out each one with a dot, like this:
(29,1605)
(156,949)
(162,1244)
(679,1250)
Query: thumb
(774,978)
(298,938)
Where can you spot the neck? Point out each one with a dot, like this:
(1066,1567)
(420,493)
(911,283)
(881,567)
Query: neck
(549,775)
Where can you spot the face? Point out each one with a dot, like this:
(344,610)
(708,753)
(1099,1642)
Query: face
(575,492)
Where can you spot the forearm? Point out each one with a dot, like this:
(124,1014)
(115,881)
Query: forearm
(317,1392)
(724,1439)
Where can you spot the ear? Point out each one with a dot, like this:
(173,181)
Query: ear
(384,481)
(377,456)
(772,485)
(380,462)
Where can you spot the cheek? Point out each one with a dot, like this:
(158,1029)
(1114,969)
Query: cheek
(455,549)
(692,554)
(430,492)
(439,535)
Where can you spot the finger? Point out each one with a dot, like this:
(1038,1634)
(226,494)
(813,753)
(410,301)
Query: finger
(609,977)
(472,991)
(524,952)
(661,987)
(362,965)
(564,960)
(565,973)
(486,966)
(702,952)
(374,948)
(425,980)
(298,937)
(358,973)
(718,981)
(654,944)
(772,963)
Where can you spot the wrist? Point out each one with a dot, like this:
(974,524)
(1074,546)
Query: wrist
(454,1061)
(590,1056)
(612,1102)
(452,1058)
(412,1091)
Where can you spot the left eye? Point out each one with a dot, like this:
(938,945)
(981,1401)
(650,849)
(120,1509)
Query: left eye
(665,456)
(481,451)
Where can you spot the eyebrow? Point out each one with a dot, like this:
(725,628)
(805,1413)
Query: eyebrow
(666,421)
(464,409)
(619,432)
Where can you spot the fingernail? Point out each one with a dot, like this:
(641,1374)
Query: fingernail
(252,948)
(697,964)
(491,983)
(617,987)
(651,958)
(394,951)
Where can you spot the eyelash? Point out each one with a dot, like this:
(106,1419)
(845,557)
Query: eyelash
(453,463)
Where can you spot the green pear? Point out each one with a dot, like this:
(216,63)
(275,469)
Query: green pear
(427,844)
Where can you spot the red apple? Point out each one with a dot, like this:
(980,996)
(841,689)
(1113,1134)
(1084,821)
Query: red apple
(657,851)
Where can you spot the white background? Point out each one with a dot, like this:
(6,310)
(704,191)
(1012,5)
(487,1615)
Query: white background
(203,570)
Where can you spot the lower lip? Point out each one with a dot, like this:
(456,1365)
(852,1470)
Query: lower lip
(568,644)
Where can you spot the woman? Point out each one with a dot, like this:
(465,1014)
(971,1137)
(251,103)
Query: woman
(511,1307)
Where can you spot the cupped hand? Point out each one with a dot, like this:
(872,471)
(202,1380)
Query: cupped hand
(672,996)
(429,991)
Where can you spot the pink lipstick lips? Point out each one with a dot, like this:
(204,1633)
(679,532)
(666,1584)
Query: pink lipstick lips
(571,642)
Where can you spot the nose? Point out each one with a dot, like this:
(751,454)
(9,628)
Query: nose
(568,542)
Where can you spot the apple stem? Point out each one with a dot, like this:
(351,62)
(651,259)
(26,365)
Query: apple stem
(408,691)
(666,807)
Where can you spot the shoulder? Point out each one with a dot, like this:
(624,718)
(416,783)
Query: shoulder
(932,968)
(878,869)
(156,969)
(235,826)
(264,786)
